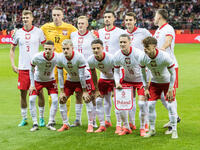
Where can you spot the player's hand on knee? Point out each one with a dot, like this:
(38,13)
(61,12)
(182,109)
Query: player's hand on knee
(31,89)
(97,94)
(62,98)
(15,69)
(86,97)
(170,95)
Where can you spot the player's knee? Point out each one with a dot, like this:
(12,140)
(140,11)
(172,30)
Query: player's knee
(141,105)
(99,103)
(171,108)
(151,105)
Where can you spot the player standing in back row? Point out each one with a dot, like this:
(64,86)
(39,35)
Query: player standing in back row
(165,36)
(29,38)
(137,35)
(110,37)
(57,31)
(82,43)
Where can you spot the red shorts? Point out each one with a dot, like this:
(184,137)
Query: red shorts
(105,86)
(23,80)
(51,86)
(71,87)
(135,85)
(176,80)
(155,90)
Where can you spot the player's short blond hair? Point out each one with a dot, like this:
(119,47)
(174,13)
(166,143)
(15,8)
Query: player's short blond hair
(67,42)
(58,8)
(83,17)
(27,12)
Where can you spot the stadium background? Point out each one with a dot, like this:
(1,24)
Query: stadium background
(185,18)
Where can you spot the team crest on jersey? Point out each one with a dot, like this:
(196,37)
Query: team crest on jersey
(153,63)
(69,65)
(107,36)
(27,36)
(80,40)
(131,37)
(64,32)
(101,66)
(48,64)
(127,60)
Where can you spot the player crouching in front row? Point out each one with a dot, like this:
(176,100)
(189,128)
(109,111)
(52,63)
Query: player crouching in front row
(43,77)
(163,77)
(78,80)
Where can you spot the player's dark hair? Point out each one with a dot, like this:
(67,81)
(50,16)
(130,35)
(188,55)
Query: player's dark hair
(49,42)
(125,35)
(58,8)
(149,40)
(97,41)
(163,13)
(131,14)
(109,12)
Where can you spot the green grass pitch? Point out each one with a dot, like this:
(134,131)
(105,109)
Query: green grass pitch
(20,138)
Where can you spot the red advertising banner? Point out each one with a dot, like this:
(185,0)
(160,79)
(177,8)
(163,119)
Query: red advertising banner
(187,38)
(180,38)
(5,39)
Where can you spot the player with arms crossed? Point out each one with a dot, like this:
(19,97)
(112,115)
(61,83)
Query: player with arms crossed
(78,80)
(103,61)
(137,35)
(127,58)
(29,38)
(43,77)
(82,43)
(163,77)
(57,31)
(165,36)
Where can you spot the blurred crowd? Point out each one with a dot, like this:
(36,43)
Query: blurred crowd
(182,14)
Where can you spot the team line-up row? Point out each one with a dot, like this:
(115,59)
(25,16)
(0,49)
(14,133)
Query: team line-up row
(128,53)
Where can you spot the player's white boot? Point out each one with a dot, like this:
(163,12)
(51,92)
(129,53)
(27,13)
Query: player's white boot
(174,134)
(150,133)
(34,128)
(169,130)
(50,126)
(166,125)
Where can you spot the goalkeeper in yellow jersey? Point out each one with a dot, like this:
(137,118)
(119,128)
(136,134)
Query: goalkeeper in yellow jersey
(57,31)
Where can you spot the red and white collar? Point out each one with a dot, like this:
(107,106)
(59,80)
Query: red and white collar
(128,53)
(134,29)
(28,30)
(163,26)
(156,54)
(110,29)
(84,33)
(47,58)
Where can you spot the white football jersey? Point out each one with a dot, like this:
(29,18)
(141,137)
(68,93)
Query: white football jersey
(130,63)
(160,35)
(158,66)
(111,39)
(29,42)
(105,65)
(73,65)
(44,70)
(137,36)
(82,43)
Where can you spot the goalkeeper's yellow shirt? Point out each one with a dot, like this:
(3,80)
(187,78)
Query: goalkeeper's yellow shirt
(58,34)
